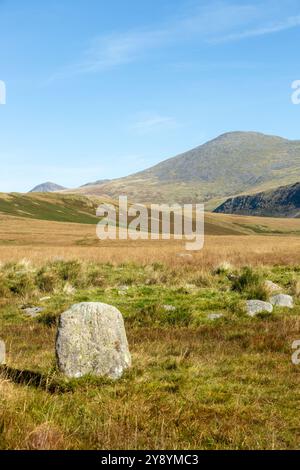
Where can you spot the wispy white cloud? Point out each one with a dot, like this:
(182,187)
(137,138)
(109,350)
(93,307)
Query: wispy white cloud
(110,51)
(289,23)
(153,123)
(211,23)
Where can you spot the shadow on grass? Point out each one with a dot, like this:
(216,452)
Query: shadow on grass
(35,379)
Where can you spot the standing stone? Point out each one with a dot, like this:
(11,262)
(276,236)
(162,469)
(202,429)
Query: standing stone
(282,300)
(91,340)
(2,353)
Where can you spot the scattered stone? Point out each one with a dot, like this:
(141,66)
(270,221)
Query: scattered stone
(91,339)
(215,316)
(258,306)
(169,308)
(272,287)
(69,289)
(2,353)
(123,288)
(33,312)
(282,300)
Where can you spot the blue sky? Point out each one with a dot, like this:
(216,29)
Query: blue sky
(99,89)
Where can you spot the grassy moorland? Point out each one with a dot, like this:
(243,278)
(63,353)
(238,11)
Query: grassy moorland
(195,382)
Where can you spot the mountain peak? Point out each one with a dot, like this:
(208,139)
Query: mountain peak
(47,187)
(231,164)
(248,135)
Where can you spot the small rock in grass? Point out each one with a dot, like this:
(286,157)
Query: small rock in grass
(2,353)
(91,340)
(123,290)
(169,308)
(255,307)
(33,312)
(282,300)
(215,316)
(272,287)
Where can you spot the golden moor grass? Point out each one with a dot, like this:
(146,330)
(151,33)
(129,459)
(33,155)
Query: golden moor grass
(238,250)
(40,240)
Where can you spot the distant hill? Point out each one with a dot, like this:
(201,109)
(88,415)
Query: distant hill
(281,202)
(62,207)
(47,188)
(95,183)
(234,163)
(57,207)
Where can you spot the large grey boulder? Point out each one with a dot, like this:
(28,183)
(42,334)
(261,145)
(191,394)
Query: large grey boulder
(2,353)
(91,340)
(255,307)
(282,300)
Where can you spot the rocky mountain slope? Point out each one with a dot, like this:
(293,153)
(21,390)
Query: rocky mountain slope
(281,202)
